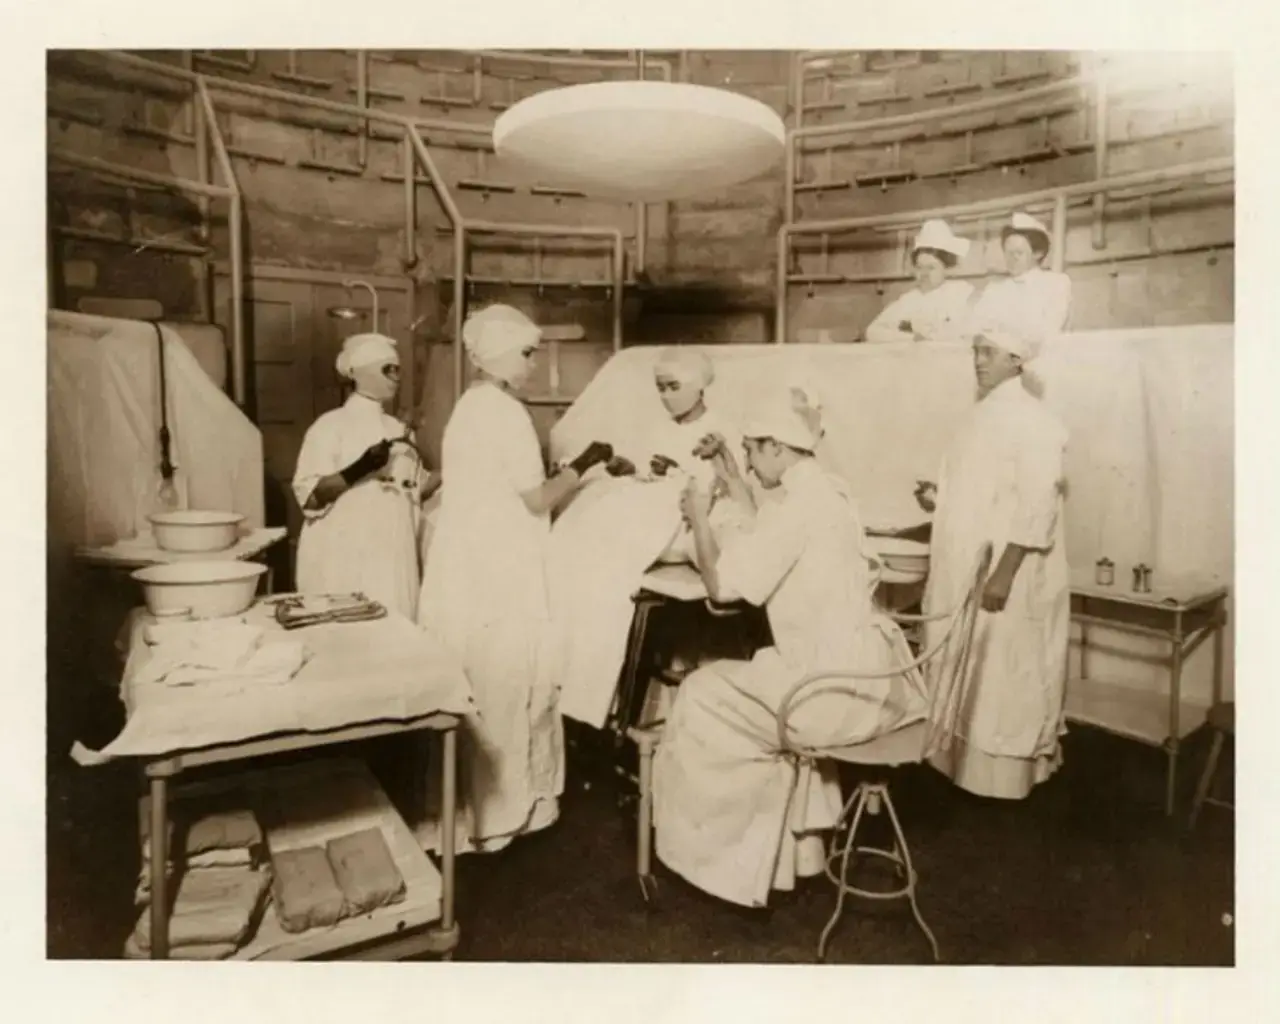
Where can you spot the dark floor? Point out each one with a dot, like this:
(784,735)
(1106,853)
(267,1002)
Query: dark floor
(1087,871)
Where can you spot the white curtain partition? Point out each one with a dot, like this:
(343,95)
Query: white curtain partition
(1150,461)
(104,431)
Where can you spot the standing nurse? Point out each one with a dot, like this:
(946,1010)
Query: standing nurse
(360,491)
(1002,482)
(1035,301)
(484,588)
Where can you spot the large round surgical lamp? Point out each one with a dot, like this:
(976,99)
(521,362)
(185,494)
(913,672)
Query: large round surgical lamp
(640,141)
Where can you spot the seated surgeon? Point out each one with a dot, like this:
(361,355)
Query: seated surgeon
(722,813)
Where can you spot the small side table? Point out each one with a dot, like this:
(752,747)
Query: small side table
(1182,613)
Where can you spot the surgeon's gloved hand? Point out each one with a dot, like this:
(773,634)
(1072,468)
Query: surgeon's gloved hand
(596,453)
(660,465)
(618,466)
(374,458)
(709,446)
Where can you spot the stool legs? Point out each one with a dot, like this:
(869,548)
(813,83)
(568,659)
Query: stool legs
(1206,778)
(869,797)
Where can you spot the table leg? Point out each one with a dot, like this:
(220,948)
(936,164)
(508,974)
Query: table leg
(449,803)
(1219,648)
(1084,651)
(1175,716)
(632,669)
(159,864)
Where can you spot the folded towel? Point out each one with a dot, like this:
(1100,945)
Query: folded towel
(222,825)
(210,648)
(305,892)
(201,861)
(212,907)
(197,951)
(365,871)
(187,653)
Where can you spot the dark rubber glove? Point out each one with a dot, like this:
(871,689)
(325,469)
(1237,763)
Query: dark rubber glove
(618,466)
(660,464)
(595,453)
(374,458)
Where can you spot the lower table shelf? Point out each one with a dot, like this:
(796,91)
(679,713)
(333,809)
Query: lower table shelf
(327,799)
(1126,710)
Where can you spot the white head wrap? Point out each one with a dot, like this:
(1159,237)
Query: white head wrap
(690,367)
(366,350)
(1012,339)
(792,417)
(496,332)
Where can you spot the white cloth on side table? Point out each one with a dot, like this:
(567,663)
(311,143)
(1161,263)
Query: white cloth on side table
(382,670)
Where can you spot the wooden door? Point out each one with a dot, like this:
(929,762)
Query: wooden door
(279,328)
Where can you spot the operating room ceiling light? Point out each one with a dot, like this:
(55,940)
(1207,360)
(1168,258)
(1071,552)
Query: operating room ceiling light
(639,141)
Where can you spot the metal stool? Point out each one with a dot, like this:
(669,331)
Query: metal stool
(948,681)
(1222,721)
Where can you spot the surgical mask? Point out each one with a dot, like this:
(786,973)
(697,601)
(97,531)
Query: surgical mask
(679,398)
(377,381)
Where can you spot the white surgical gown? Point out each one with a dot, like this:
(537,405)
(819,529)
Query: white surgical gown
(484,592)
(720,788)
(1038,303)
(367,540)
(1001,481)
(934,315)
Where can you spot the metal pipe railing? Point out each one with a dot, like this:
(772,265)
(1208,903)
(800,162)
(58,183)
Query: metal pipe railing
(235,217)
(1058,196)
(551,60)
(126,173)
(204,189)
(362,101)
(940,113)
(642,211)
(1101,106)
(266,92)
(894,121)
(409,165)
(1043,197)
(617,272)
(415,151)
(459,243)
(433,172)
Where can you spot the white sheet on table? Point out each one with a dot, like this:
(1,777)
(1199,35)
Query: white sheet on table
(383,670)
(1149,412)
(600,548)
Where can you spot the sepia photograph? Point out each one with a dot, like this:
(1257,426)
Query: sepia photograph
(641,506)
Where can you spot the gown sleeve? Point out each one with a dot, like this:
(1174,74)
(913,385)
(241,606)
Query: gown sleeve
(1039,466)
(755,560)
(1057,307)
(517,449)
(884,328)
(317,458)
